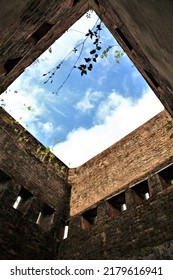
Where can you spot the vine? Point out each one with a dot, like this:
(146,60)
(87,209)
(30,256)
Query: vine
(94,35)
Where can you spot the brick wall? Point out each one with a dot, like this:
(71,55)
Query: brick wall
(131,159)
(141,230)
(34,195)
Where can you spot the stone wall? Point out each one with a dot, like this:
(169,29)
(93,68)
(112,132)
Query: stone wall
(34,195)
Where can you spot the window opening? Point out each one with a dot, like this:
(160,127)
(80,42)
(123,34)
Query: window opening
(116,204)
(16,204)
(88,218)
(45,217)
(122,36)
(141,191)
(41,31)
(4,177)
(152,79)
(166,176)
(23,200)
(75,2)
(63,230)
(66,231)
(11,63)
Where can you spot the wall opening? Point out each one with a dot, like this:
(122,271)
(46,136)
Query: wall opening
(124,39)
(66,229)
(75,2)
(116,204)
(63,230)
(87,106)
(41,31)
(152,79)
(141,191)
(45,217)
(88,218)
(23,200)
(166,176)
(4,177)
(11,63)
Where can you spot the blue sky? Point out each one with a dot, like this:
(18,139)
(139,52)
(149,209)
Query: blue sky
(90,113)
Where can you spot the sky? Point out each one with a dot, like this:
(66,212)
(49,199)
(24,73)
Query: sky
(90,112)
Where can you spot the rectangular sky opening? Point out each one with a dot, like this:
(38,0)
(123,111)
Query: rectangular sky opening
(82,95)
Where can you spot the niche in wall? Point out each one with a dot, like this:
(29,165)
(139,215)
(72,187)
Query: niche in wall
(23,200)
(41,31)
(45,217)
(166,176)
(88,218)
(116,204)
(141,192)
(11,63)
(63,230)
(4,179)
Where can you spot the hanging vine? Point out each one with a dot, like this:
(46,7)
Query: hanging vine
(94,35)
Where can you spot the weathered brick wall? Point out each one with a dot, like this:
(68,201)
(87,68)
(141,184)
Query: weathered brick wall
(143,231)
(28,28)
(122,164)
(130,23)
(29,171)
(20,236)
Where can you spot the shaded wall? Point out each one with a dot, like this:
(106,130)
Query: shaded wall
(142,231)
(34,195)
(143,29)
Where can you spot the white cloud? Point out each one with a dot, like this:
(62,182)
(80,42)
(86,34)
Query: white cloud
(101,79)
(119,117)
(114,102)
(22,103)
(88,102)
(24,93)
(46,127)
